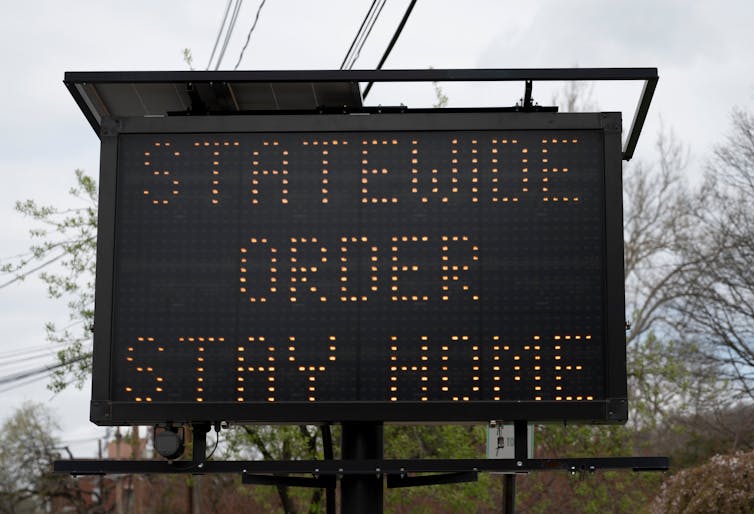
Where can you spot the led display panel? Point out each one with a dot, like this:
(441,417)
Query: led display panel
(338,269)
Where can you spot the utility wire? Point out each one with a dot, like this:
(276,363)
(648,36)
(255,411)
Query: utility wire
(31,357)
(34,352)
(392,43)
(248,36)
(27,273)
(358,33)
(80,440)
(219,33)
(39,353)
(368,31)
(371,21)
(18,385)
(397,33)
(21,375)
(361,36)
(24,351)
(229,32)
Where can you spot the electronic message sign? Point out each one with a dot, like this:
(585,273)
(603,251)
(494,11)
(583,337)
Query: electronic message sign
(386,267)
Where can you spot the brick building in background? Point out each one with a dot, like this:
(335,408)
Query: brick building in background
(157,494)
(111,494)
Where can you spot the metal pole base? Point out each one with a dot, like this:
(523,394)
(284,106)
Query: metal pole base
(361,494)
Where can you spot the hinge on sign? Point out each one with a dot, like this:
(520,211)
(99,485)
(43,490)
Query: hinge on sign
(610,124)
(110,126)
(617,409)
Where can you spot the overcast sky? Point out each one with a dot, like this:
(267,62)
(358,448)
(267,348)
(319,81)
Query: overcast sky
(702,51)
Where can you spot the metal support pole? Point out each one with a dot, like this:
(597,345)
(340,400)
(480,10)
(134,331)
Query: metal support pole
(361,494)
(528,103)
(509,494)
(328,451)
(521,440)
(199,437)
(521,454)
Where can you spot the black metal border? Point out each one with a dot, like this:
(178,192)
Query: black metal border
(428,75)
(132,413)
(613,409)
(615,322)
(436,119)
(105,268)
(377,467)
(649,75)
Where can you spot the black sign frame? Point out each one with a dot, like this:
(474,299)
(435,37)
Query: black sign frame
(612,409)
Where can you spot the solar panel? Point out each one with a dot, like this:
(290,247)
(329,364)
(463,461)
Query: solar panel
(153,94)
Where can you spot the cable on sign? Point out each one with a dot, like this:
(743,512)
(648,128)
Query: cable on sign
(176,446)
(217,438)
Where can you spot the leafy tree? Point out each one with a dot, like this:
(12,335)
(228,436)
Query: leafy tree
(29,448)
(693,438)
(718,304)
(602,491)
(438,442)
(666,373)
(63,253)
(213,494)
(281,443)
(724,484)
(188,58)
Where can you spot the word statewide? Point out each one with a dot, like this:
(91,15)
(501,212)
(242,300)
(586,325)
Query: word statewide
(376,170)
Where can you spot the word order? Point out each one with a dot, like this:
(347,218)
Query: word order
(308,268)
(391,170)
(422,368)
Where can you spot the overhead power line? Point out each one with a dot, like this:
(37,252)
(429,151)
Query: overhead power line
(392,42)
(33,353)
(219,33)
(25,358)
(29,272)
(18,385)
(363,34)
(229,32)
(24,351)
(22,375)
(367,32)
(356,37)
(13,357)
(248,36)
